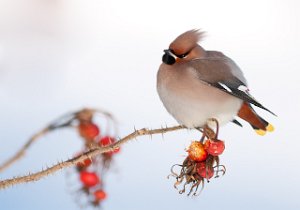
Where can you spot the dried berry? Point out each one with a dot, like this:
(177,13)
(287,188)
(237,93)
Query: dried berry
(197,151)
(204,170)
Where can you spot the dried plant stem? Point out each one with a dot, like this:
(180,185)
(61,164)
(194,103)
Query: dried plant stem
(62,122)
(22,151)
(92,153)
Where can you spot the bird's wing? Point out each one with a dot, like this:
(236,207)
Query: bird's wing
(224,74)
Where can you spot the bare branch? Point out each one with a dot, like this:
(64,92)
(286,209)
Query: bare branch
(92,153)
(62,122)
(22,151)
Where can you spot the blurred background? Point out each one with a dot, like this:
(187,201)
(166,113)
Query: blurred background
(58,56)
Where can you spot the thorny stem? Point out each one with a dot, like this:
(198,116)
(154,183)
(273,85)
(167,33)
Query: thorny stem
(89,154)
(62,122)
(21,152)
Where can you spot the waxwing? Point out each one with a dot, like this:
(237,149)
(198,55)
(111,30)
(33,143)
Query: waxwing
(196,85)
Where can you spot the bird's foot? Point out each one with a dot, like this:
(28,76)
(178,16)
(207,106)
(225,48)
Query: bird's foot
(207,132)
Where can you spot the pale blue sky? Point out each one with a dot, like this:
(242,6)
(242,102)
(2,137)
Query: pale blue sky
(58,56)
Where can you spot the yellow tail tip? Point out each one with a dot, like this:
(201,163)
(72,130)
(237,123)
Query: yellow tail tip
(260,132)
(270,128)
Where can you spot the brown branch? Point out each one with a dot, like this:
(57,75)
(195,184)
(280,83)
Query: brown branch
(22,151)
(92,153)
(62,122)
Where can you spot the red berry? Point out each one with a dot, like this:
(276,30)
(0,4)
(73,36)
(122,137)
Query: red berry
(117,150)
(214,147)
(197,152)
(89,179)
(107,140)
(88,130)
(86,163)
(203,171)
(100,195)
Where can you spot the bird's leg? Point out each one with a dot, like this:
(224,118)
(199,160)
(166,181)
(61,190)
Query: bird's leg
(203,134)
(211,134)
(217,127)
(207,132)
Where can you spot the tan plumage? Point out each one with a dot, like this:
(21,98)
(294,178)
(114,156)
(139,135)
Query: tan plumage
(186,41)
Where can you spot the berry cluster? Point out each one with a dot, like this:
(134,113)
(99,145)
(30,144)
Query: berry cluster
(91,171)
(202,162)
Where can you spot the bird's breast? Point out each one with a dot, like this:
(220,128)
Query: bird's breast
(192,102)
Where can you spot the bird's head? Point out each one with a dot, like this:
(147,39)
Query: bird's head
(184,48)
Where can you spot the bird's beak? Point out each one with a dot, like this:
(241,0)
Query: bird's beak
(169,57)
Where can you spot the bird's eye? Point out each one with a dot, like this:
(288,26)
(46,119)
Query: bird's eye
(181,55)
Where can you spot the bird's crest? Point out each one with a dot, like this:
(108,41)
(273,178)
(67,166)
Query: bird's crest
(186,41)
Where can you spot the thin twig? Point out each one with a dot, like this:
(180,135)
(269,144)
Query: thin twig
(22,151)
(62,122)
(92,153)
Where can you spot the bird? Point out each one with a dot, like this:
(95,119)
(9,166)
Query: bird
(196,85)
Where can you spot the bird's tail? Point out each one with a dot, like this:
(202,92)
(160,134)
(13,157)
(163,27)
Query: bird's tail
(260,125)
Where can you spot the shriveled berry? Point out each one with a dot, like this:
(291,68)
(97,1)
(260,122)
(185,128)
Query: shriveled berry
(214,147)
(89,179)
(197,152)
(204,171)
(88,130)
